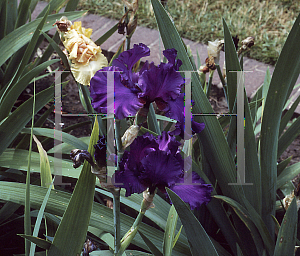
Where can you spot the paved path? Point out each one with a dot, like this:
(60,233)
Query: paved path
(151,38)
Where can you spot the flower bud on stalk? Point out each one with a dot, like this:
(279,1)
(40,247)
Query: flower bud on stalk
(129,136)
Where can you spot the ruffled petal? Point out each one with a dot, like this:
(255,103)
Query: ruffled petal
(128,180)
(168,143)
(100,151)
(194,195)
(127,59)
(162,82)
(171,55)
(176,111)
(83,72)
(126,102)
(160,169)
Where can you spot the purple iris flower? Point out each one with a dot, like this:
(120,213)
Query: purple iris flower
(134,90)
(157,163)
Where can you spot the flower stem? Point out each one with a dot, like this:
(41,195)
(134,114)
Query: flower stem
(129,236)
(116,192)
(117,226)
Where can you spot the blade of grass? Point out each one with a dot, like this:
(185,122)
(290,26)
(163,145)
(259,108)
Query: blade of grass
(288,116)
(150,245)
(288,174)
(25,55)
(10,96)
(9,128)
(107,35)
(288,137)
(22,12)
(68,138)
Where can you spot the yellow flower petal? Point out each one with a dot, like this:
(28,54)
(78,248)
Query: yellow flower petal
(84,72)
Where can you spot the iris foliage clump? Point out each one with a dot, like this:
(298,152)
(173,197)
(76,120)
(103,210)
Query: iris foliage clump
(157,175)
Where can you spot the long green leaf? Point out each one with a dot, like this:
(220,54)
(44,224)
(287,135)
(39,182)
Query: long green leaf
(288,137)
(286,239)
(54,6)
(25,55)
(101,215)
(9,98)
(78,212)
(170,232)
(71,5)
(288,174)
(252,221)
(232,65)
(68,138)
(58,50)
(288,115)
(46,177)
(212,136)
(39,220)
(23,12)
(200,243)
(108,34)
(9,128)
(38,241)
(16,159)
(11,43)
(284,77)
(150,245)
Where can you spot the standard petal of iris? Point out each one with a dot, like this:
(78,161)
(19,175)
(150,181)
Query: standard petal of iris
(127,59)
(171,55)
(162,82)
(125,103)
(194,195)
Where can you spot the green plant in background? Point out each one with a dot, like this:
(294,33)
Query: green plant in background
(239,220)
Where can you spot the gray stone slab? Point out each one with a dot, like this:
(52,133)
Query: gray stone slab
(253,79)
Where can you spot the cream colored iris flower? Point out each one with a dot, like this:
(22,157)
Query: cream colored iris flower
(85,56)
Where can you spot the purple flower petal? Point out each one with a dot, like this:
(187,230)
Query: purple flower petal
(100,151)
(126,102)
(176,111)
(127,59)
(162,82)
(171,55)
(130,181)
(194,195)
(168,143)
(160,169)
